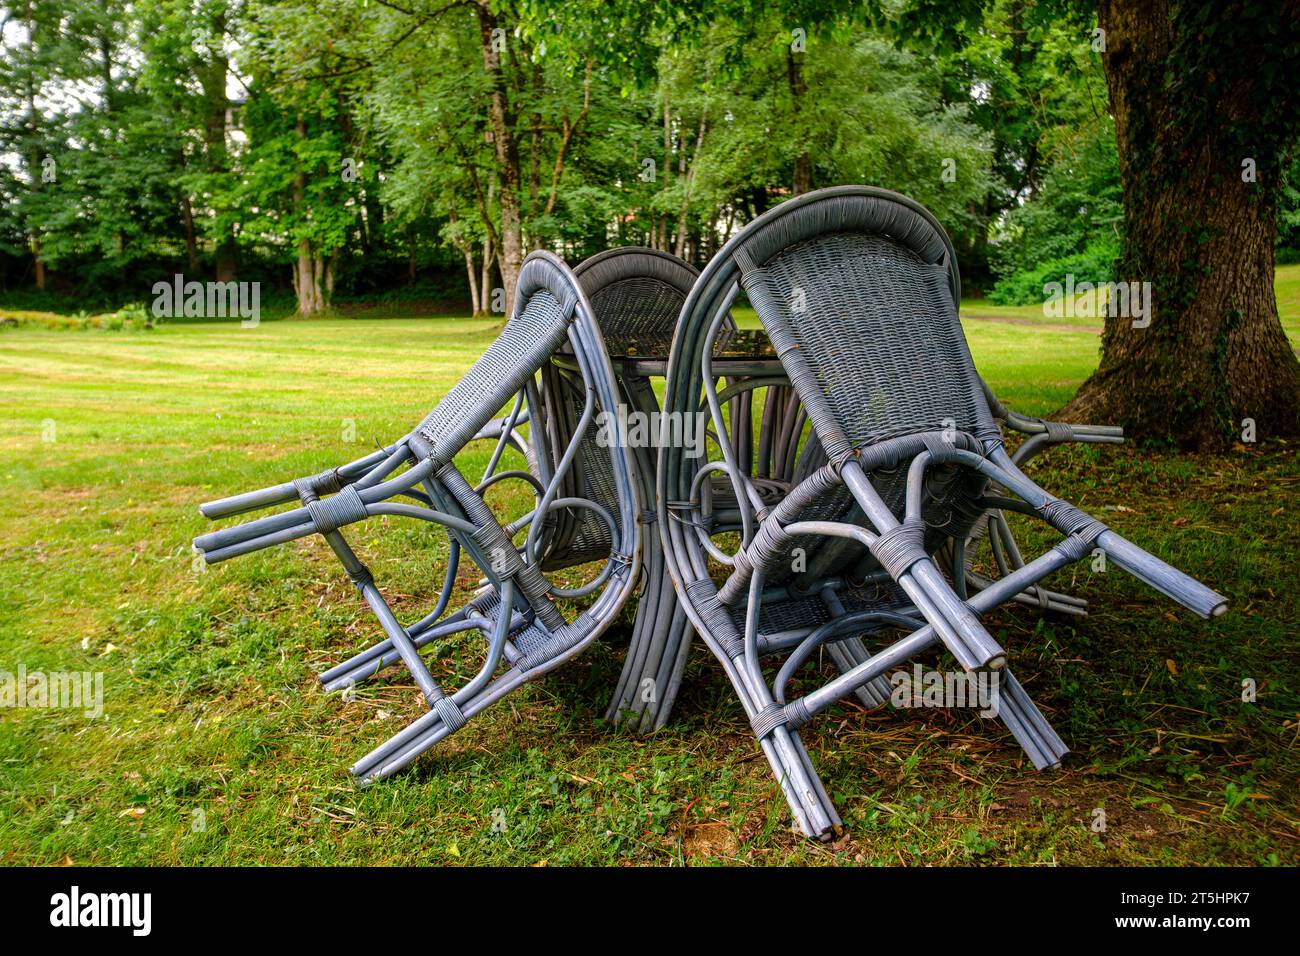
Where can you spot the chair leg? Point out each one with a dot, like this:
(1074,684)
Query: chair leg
(628,703)
(426,731)
(809,803)
(680,636)
(1027,723)
(836,824)
(401,641)
(1008,557)
(848,654)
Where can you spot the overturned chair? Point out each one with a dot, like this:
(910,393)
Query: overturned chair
(516,611)
(637,295)
(855,287)
(993,529)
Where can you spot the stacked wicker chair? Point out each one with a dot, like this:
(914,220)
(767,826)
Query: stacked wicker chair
(856,288)
(841,508)
(637,295)
(525,631)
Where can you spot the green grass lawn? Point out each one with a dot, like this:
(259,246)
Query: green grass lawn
(217,747)
(1286,287)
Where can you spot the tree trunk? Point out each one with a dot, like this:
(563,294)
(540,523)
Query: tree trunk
(690,180)
(39,263)
(661,241)
(191,241)
(304,280)
(803,161)
(212,76)
(466,248)
(471,272)
(511,253)
(1214,352)
(34,154)
(327,294)
(485,295)
(710,237)
(677,237)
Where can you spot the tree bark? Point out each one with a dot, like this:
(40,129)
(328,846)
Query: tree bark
(1214,352)
(500,115)
(34,153)
(212,77)
(661,241)
(471,272)
(191,241)
(802,181)
(306,280)
(38,263)
(690,180)
(327,297)
(467,250)
(485,295)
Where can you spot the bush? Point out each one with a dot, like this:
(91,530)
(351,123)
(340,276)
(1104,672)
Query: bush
(136,316)
(1095,264)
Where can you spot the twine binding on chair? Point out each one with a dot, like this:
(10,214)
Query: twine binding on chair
(326,483)
(767,720)
(450,714)
(344,508)
(900,547)
(1068,519)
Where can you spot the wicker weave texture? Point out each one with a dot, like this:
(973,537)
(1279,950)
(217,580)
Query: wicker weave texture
(876,328)
(638,315)
(518,352)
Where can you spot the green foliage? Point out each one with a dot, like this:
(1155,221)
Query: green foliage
(1079,205)
(201,137)
(215,133)
(1094,264)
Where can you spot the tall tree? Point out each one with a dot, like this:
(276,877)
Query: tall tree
(1206,112)
(1206,109)
(189,76)
(35,58)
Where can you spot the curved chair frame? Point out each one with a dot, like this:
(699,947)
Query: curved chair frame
(515,611)
(904,451)
(637,294)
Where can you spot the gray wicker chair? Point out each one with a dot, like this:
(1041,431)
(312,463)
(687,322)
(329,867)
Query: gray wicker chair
(525,630)
(637,295)
(854,286)
(992,528)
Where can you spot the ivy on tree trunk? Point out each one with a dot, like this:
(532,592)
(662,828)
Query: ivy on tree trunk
(1205,105)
